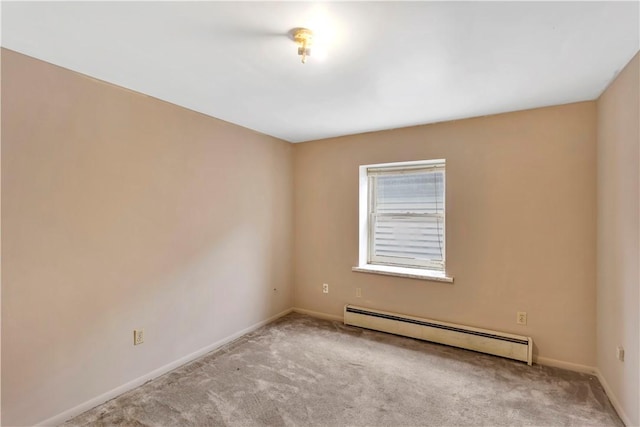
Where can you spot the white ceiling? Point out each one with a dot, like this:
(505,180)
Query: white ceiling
(388,64)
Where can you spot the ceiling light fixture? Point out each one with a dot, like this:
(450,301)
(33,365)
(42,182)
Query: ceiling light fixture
(303,38)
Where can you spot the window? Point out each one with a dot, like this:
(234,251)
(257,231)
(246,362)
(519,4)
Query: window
(402,219)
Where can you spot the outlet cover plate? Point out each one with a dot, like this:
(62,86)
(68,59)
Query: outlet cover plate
(138,336)
(521,318)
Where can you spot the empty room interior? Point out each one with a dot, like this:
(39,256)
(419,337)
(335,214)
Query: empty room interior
(320,213)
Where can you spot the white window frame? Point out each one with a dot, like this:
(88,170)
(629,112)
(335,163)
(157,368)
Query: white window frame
(371,264)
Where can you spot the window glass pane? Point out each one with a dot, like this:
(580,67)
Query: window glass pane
(405,239)
(410,193)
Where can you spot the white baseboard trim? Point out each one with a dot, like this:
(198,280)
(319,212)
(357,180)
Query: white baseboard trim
(612,397)
(592,371)
(564,365)
(92,403)
(318,314)
(98,400)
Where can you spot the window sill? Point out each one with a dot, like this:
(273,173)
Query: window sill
(412,273)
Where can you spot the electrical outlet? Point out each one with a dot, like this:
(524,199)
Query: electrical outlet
(522,318)
(620,353)
(138,336)
(325,288)
(358,292)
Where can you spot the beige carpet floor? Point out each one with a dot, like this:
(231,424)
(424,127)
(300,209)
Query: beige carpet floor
(302,371)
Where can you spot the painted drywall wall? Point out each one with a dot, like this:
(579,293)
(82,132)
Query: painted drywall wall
(618,237)
(520,225)
(119,212)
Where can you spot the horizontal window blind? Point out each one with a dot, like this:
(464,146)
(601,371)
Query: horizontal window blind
(403,170)
(406,217)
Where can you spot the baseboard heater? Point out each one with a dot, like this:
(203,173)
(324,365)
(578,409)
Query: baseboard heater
(491,342)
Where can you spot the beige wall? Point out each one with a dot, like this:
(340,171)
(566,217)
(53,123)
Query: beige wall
(619,237)
(119,212)
(521,225)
